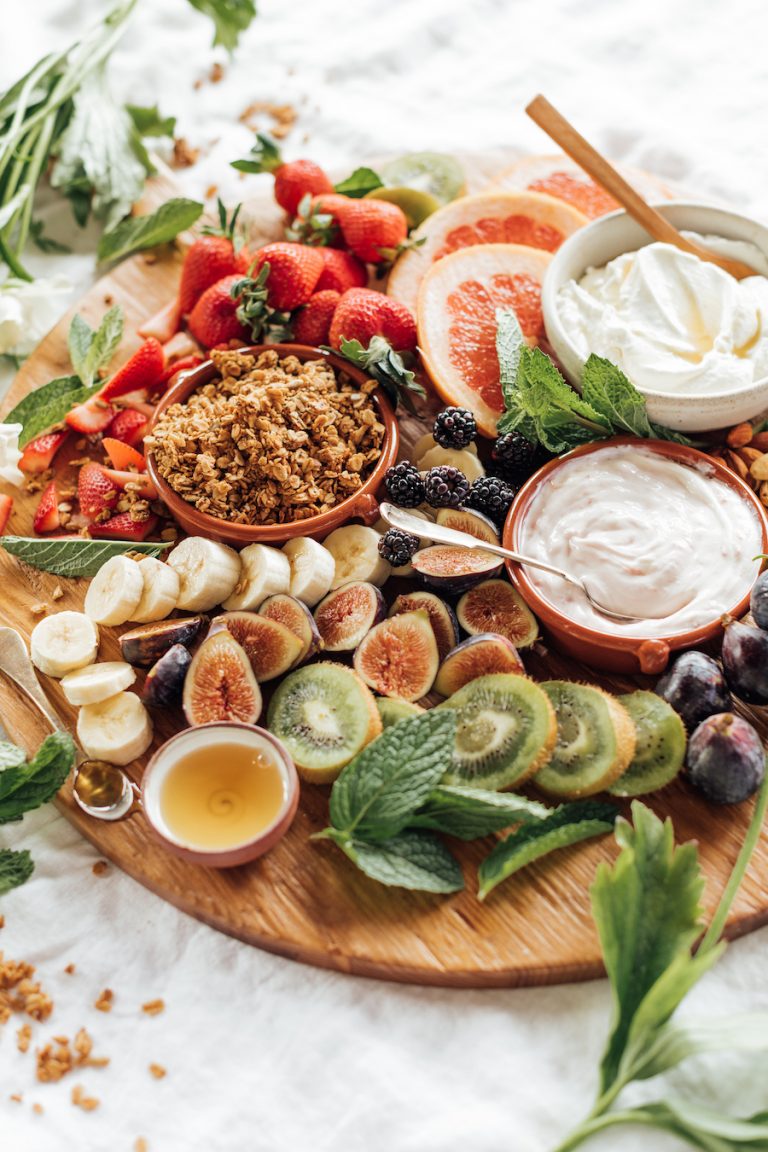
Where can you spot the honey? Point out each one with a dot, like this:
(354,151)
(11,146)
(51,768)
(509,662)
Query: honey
(221,796)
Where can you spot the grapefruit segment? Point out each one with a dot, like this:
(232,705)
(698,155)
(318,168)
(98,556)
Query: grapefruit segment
(456,319)
(529,218)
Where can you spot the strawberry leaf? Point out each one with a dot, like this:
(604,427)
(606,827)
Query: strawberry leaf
(387,367)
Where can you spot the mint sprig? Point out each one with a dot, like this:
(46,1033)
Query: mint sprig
(415,860)
(15,868)
(471,813)
(140,232)
(28,785)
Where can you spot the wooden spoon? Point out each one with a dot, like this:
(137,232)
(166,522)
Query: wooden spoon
(563,133)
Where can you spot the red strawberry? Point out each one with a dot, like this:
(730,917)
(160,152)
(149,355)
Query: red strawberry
(6,507)
(374,229)
(293,180)
(129,426)
(47,514)
(122,527)
(341,270)
(142,484)
(94,416)
(362,314)
(144,370)
(214,255)
(96,493)
(318,221)
(213,319)
(294,270)
(312,323)
(39,453)
(331,204)
(123,456)
(183,364)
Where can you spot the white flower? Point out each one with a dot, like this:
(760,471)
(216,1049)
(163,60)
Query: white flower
(28,310)
(10,454)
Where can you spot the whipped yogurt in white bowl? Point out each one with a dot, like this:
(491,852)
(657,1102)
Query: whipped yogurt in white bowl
(692,339)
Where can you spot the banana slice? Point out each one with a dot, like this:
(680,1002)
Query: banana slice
(161,591)
(208,572)
(97,682)
(427,442)
(117,730)
(312,570)
(63,642)
(115,591)
(355,549)
(264,571)
(461,458)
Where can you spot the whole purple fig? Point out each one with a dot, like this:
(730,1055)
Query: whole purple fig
(745,659)
(695,687)
(725,759)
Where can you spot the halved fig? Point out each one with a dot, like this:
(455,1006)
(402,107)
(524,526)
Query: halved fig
(480,655)
(392,711)
(164,684)
(220,683)
(453,570)
(270,646)
(473,523)
(442,617)
(145,645)
(495,606)
(399,657)
(347,614)
(297,617)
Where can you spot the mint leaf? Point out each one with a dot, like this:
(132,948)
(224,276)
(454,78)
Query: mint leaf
(608,390)
(469,813)
(415,860)
(360,183)
(45,243)
(73,556)
(509,349)
(90,351)
(15,868)
(230,18)
(46,406)
(149,122)
(139,232)
(566,825)
(380,789)
(387,367)
(10,756)
(264,156)
(39,781)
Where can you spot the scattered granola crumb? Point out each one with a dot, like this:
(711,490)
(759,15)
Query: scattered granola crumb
(70,969)
(38,608)
(81,444)
(216,74)
(100,867)
(80,1100)
(2,921)
(150,258)
(283,117)
(153,1007)
(184,155)
(57,593)
(157,1071)
(211,191)
(19,993)
(104,1002)
(140,1145)
(37,1109)
(16,1097)
(23,1038)
(57,1058)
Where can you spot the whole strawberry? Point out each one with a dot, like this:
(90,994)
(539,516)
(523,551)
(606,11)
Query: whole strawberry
(214,255)
(318,220)
(363,313)
(312,323)
(213,320)
(293,179)
(341,270)
(294,270)
(374,229)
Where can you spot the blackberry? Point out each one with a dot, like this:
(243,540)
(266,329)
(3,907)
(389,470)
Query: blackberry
(514,458)
(491,495)
(397,547)
(454,428)
(445,487)
(404,485)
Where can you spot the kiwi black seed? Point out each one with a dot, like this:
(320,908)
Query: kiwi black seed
(595,740)
(660,747)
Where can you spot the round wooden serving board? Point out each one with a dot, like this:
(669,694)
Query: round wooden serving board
(307,901)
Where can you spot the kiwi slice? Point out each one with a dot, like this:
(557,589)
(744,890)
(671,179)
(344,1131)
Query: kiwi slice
(505,731)
(324,715)
(415,203)
(392,711)
(595,740)
(437,173)
(660,748)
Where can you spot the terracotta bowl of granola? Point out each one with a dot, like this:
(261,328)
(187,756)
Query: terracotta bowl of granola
(268,443)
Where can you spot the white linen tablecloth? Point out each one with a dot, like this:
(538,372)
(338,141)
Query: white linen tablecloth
(262,1053)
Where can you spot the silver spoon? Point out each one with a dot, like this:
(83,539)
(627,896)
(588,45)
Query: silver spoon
(427,530)
(100,789)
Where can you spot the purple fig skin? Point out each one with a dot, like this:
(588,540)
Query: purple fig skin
(695,687)
(146,643)
(343,636)
(758,601)
(270,645)
(298,617)
(745,659)
(164,684)
(454,583)
(480,655)
(441,616)
(725,759)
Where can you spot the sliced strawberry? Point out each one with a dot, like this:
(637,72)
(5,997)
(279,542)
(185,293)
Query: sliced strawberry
(121,527)
(95,492)
(39,453)
(164,324)
(47,514)
(140,481)
(123,456)
(183,364)
(128,426)
(92,417)
(143,370)
(6,507)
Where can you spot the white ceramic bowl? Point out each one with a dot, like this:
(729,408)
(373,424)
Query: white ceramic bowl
(610,236)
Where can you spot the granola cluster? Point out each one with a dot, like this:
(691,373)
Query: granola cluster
(273,441)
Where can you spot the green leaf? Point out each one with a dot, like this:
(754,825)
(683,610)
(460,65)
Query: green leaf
(149,122)
(230,18)
(387,367)
(380,789)
(74,556)
(15,868)
(11,756)
(264,156)
(415,860)
(38,781)
(674,1043)
(566,825)
(610,393)
(90,351)
(470,813)
(360,183)
(46,406)
(647,912)
(140,232)
(510,343)
(45,243)
(705,1127)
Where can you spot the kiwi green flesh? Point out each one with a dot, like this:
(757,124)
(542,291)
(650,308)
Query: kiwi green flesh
(435,172)
(321,714)
(392,711)
(587,746)
(660,748)
(504,727)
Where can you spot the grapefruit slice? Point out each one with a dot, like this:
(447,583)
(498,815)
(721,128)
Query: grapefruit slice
(489,218)
(456,319)
(562,177)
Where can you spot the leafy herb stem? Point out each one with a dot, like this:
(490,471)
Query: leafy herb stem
(598,1122)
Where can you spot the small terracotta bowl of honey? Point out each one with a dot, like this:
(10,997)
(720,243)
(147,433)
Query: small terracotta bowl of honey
(220,794)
